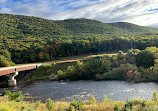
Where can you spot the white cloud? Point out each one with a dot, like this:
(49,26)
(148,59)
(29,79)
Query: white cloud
(134,11)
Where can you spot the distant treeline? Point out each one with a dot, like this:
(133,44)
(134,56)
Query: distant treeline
(55,50)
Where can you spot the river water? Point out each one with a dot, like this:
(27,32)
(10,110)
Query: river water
(65,91)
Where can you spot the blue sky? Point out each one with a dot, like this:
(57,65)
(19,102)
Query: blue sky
(141,12)
(156,9)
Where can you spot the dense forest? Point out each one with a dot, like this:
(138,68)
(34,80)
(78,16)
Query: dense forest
(32,39)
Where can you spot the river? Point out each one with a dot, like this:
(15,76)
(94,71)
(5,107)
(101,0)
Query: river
(65,91)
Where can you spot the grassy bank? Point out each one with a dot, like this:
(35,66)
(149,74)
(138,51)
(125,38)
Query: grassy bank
(47,72)
(13,102)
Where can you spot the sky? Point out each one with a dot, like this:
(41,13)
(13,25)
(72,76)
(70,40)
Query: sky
(140,12)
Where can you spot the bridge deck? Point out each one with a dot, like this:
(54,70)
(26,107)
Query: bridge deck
(12,69)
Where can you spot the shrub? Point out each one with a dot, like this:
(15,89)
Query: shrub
(92,100)
(107,99)
(116,107)
(72,108)
(37,104)
(155,96)
(60,74)
(15,96)
(80,104)
(128,106)
(139,102)
(76,104)
(25,108)
(49,104)
(61,108)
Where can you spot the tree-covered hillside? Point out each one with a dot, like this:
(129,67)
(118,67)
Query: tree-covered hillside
(29,29)
(136,29)
(79,26)
(34,39)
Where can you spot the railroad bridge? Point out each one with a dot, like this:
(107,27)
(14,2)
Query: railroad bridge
(13,71)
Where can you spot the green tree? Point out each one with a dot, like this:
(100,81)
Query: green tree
(97,65)
(120,55)
(6,54)
(130,56)
(145,58)
(3,61)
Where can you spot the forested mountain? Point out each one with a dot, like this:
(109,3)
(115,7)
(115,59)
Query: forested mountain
(29,29)
(134,28)
(32,39)
(95,27)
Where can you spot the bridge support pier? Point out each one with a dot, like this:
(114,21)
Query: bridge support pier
(12,80)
